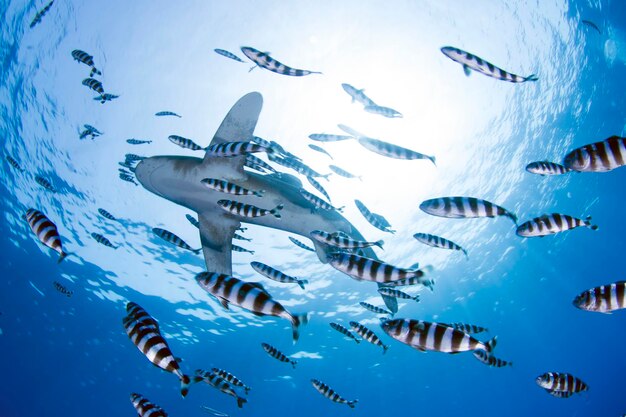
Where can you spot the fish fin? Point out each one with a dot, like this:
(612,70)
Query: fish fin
(241,402)
(467,70)
(185,381)
(63,256)
(224,303)
(531,77)
(276,210)
(258,285)
(302,282)
(380,244)
(491,344)
(298,320)
(352,403)
(385,348)
(293,363)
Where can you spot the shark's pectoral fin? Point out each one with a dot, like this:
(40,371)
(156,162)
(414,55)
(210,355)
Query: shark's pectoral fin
(216,234)
(390,302)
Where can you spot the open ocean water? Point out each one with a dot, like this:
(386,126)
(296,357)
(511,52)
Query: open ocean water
(69,354)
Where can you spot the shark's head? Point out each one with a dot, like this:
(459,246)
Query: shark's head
(163,174)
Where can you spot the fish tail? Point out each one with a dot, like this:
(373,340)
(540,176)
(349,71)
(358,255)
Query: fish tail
(197,251)
(466,255)
(251,68)
(276,211)
(293,363)
(302,282)
(531,77)
(185,382)
(259,193)
(246,389)
(433,160)
(340,209)
(385,348)
(241,402)
(296,321)
(380,244)
(352,403)
(589,225)
(511,216)
(63,256)
(491,345)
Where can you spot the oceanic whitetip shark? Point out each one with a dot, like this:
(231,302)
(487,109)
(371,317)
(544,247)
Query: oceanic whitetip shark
(178,179)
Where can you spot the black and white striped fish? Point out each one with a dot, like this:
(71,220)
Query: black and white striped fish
(490,360)
(368,335)
(94,84)
(239,237)
(167,113)
(103,240)
(323,137)
(106,97)
(137,141)
(229,187)
(374,219)
(598,157)
(170,237)
(253,160)
(392,151)
(318,187)
(192,220)
(420,280)
(250,296)
(438,242)
(424,335)
(40,14)
(318,202)
(343,173)
(341,329)
(300,244)
(219,383)
(248,210)
(358,95)
(227,54)
(362,268)
(145,408)
(339,241)
(226,149)
(383,111)
(320,150)
(549,224)
(276,275)
(277,354)
(128,178)
(46,231)
(469,328)
(562,382)
(143,331)
(92,130)
(184,143)
(330,393)
(391,292)
(472,62)
(85,58)
(297,166)
(375,309)
(464,208)
(603,299)
(264,60)
(61,288)
(44,183)
(13,163)
(106,214)
(230,378)
(131,157)
(546,168)
(236,248)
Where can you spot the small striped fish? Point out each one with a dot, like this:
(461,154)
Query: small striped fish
(317,202)
(137,141)
(546,168)
(143,331)
(368,335)
(392,151)
(438,242)
(339,241)
(40,14)
(357,95)
(248,210)
(227,54)
(320,150)
(276,275)
(44,183)
(219,383)
(13,163)
(103,240)
(230,378)
(145,408)
(277,354)
(330,393)
(549,224)
(472,62)
(391,292)
(250,296)
(490,360)
(297,166)
(227,149)
(318,187)
(229,187)
(167,113)
(343,173)
(236,248)
(46,231)
(301,245)
(92,129)
(599,156)
(562,382)
(131,157)
(423,335)
(128,178)
(421,280)
(253,160)
(106,97)
(362,268)
(375,220)
(170,237)
(85,58)
(94,84)
(603,299)
(344,331)
(383,111)
(61,288)
(323,137)
(264,60)
(374,309)
(464,208)
(591,25)
(239,237)
(184,143)
(192,220)
(469,328)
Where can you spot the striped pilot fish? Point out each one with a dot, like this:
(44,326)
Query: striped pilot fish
(334,239)
(362,268)
(300,244)
(419,280)
(85,58)
(368,335)
(106,97)
(227,54)
(229,187)
(324,137)
(248,210)
(94,84)
(192,220)
(275,275)
(468,328)
(44,183)
(391,292)
(358,95)
(250,296)
(40,14)
(61,288)
(103,240)
(145,408)
(375,309)
(253,160)
(137,141)
(603,299)
(438,242)
(227,149)
(13,163)
(317,202)
(170,237)
(277,354)
(424,335)
(318,187)
(490,360)
(320,150)
(239,237)
(297,166)
(264,60)
(464,208)
(236,248)
(330,393)
(344,331)
(184,143)
(549,224)
(392,151)
(128,178)
(46,231)
(219,383)
(374,219)
(144,332)
(561,382)
(472,62)
(167,113)
(544,168)
(598,157)
(383,111)
(230,378)
(343,173)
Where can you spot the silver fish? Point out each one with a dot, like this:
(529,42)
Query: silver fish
(318,187)
(320,150)
(137,141)
(317,202)
(106,214)
(103,240)
(248,210)
(94,84)
(391,292)
(44,183)
(549,224)
(236,248)
(490,360)
(375,309)
(277,354)
(472,62)
(46,231)
(230,378)
(264,60)
(330,393)
(219,383)
(184,143)
(226,149)
(560,381)
(145,408)
(374,219)
(343,173)
(13,163)
(383,111)
(192,220)
(323,137)
(598,157)
(61,288)
(106,97)
(253,160)
(300,244)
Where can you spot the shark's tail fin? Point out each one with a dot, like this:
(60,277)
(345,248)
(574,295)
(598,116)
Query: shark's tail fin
(296,321)
(293,363)
(432,159)
(385,348)
(276,211)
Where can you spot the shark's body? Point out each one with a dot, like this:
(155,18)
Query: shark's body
(178,179)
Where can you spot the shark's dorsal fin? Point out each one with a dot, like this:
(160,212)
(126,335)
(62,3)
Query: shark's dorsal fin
(239,123)
(216,235)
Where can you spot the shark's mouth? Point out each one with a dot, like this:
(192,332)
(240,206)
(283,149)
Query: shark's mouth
(144,173)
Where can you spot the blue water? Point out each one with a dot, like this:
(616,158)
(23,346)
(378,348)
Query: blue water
(71,356)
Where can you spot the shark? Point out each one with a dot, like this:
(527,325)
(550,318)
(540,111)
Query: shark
(179,180)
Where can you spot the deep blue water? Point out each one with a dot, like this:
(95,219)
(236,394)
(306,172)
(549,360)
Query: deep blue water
(71,356)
